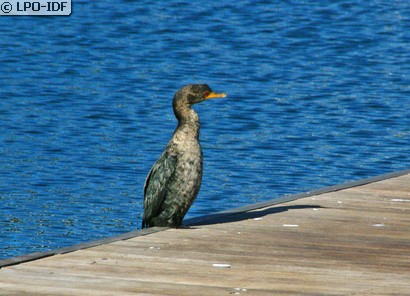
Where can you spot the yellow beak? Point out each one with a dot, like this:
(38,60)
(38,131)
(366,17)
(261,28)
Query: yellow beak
(213,95)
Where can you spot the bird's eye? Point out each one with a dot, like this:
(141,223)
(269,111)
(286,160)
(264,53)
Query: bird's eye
(206,93)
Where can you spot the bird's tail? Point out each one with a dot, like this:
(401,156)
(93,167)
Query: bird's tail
(144,223)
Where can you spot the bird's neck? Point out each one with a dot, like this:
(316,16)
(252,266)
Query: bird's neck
(188,121)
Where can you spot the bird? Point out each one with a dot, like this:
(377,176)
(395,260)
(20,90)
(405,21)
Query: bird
(174,180)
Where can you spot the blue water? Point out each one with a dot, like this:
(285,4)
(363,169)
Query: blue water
(319,94)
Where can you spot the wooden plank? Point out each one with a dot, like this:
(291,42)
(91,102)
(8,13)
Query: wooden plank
(350,241)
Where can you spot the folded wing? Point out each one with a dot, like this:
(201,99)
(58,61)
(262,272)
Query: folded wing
(155,188)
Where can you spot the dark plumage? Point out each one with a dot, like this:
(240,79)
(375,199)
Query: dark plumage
(174,181)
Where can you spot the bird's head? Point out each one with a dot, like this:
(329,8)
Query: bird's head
(195,93)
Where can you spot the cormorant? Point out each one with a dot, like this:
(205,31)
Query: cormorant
(174,181)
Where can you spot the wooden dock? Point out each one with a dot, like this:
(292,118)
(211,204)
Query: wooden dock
(345,240)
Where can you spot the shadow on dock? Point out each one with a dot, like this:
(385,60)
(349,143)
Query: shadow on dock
(219,218)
